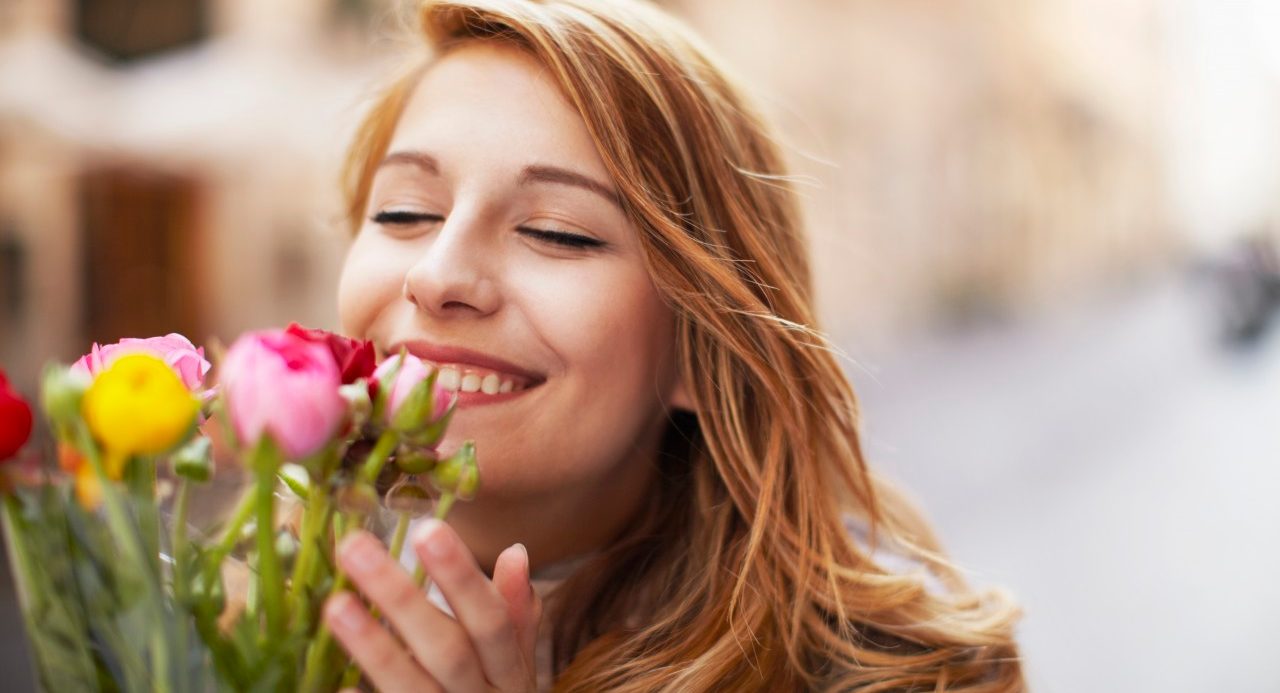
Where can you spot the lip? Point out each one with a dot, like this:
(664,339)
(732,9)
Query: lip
(437,353)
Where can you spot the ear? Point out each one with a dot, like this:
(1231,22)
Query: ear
(679,397)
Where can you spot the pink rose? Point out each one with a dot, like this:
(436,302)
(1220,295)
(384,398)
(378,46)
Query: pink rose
(279,383)
(174,349)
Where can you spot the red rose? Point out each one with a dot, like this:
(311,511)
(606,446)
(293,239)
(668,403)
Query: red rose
(354,357)
(15,420)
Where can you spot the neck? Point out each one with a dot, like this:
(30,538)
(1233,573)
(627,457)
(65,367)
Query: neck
(563,524)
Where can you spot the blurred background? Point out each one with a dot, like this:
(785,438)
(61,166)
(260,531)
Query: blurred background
(1043,233)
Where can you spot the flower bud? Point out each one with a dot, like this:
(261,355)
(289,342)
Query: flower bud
(409,402)
(286,545)
(384,379)
(279,384)
(61,392)
(209,591)
(297,478)
(359,404)
(416,460)
(429,435)
(458,474)
(194,460)
(357,498)
(408,497)
(469,483)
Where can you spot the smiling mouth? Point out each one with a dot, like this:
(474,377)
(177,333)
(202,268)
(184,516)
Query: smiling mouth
(463,378)
(475,376)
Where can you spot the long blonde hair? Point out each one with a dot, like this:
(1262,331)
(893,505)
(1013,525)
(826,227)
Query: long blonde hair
(742,573)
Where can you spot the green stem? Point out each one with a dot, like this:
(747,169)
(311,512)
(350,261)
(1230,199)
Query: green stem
(70,658)
(230,535)
(443,505)
(350,677)
(178,539)
(316,666)
(270,573)
(382,449)
(178,549)
(123,527)
(140,480)
(300,581)
(397,539)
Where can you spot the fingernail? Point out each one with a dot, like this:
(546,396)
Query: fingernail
(525,554)
(528,575)
(343,612)
(359,554)
(431,536)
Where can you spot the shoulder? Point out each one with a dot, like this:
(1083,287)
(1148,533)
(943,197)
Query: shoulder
(890,557)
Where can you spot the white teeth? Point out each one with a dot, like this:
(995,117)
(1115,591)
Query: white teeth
(449,379)
(455,379)
(470,383)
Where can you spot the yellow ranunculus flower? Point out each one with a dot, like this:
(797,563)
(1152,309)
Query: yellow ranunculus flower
(138,406)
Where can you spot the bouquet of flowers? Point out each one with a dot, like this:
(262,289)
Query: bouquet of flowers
(118,592)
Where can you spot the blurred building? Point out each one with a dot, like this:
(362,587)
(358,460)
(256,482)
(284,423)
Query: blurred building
(172,164)
(972,157)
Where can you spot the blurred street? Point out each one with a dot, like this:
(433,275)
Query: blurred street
(1115,467)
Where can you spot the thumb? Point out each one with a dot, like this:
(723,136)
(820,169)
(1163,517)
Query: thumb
(524,606)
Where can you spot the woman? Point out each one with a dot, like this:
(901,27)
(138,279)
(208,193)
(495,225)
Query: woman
(572,210)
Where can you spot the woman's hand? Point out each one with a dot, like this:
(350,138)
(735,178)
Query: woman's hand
(489,646)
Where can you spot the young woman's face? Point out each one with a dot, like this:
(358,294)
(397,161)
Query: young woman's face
(492,227)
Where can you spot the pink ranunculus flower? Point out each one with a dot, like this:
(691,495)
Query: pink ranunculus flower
(412,372)
(278,383)
(175,350)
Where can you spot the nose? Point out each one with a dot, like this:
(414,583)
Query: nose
(453,276)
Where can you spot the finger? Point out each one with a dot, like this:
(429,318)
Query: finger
(438,642)
(382,658)
(511,577)
(476,603)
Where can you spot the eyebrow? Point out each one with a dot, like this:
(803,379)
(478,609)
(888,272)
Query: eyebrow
(533,173)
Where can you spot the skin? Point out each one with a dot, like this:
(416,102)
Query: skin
(567,464)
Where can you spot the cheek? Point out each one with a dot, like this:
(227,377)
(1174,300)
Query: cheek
(371,279)
(612,332)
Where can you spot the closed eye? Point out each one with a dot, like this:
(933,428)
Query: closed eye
(561,238)
(570,240)
(399,217)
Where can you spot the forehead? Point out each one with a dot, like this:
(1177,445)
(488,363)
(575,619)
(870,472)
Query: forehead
(498,103)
